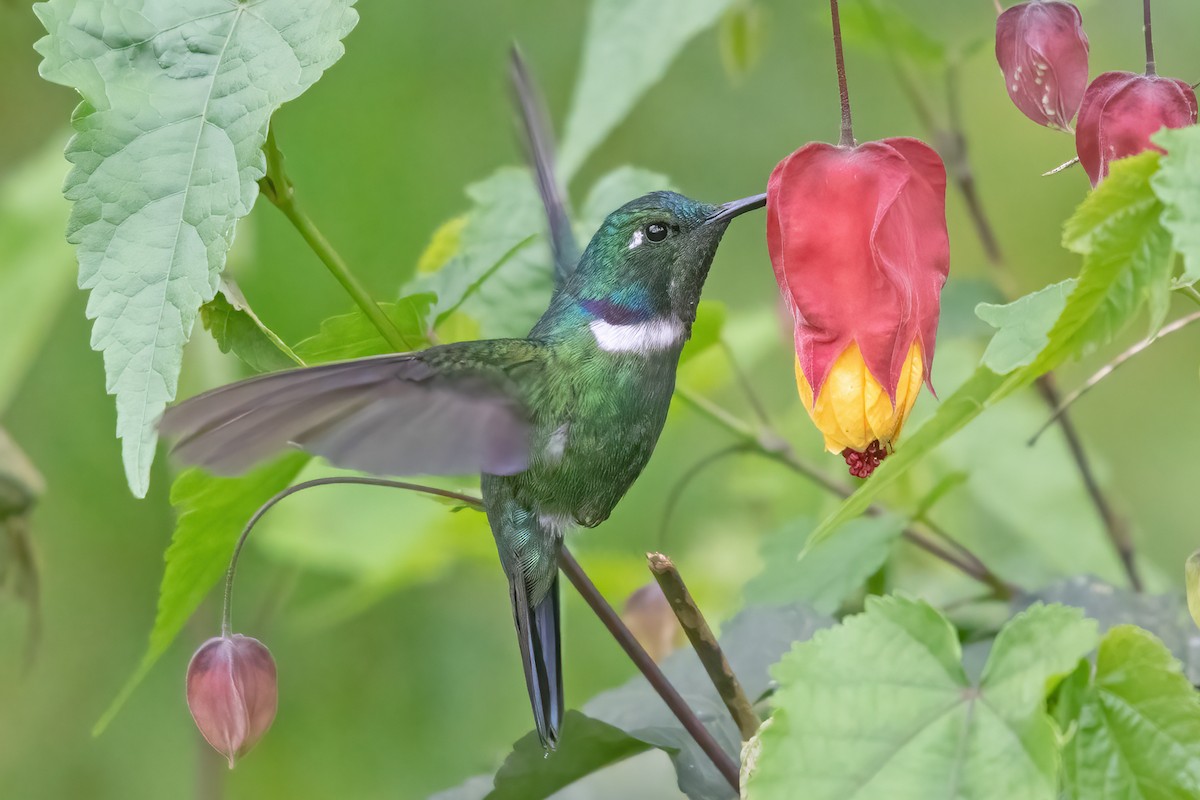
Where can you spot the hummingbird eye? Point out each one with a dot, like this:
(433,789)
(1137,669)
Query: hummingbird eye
(656,231)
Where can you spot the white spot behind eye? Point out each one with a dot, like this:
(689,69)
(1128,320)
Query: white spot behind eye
(638,238)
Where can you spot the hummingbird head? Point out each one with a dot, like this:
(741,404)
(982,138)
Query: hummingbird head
(653,253)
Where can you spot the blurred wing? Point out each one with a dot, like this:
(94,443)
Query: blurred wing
(539,148)
(400,414)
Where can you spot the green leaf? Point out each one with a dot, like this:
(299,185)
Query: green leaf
(1176,186)
(353,335)
(500,274)
(210,514)
(1023,326)
(629,45)
(938,735)
(35,264)
(740,36)
(166,159)
(825,575)
(617,188)
(1136,728)
(1166,616)
(585,746)
(443,245)
(238,330)
(706,330)
(1127,259)
(752,641)
(880,27)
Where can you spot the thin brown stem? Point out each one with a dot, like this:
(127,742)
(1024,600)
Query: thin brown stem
(847,136)
(685,479)
(1115,526)
(230,573)
(654,676)
(1151,67)
(705,643)
(770,445)
(1111,367)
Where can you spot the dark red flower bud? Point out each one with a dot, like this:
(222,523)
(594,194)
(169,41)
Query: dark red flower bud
(232,693)
(1043,53)
(1122,110)
(858,240)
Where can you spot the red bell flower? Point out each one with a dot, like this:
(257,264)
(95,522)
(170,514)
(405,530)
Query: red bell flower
(1122,110)
(232,693)
(1043,53)
(857,237)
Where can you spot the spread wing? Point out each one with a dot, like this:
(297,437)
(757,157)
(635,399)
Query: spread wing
(443,411)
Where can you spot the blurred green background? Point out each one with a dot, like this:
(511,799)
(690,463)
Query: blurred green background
(387,615)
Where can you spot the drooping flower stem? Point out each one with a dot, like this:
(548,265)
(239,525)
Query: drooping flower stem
(1151,68)
(227,610)
(847,137)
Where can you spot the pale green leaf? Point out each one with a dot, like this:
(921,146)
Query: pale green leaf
(35,263)
(210,514)
(1176,186)
(938,735)
(166,158)
(617,188)
(1135,731)
(827,574)
(500,273)
(881,27)
(629,45)
(740,36)
(238,330)
(706,330)
(353,335)
(1022,326)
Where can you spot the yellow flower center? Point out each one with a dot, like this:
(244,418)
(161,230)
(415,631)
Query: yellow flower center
(853,409)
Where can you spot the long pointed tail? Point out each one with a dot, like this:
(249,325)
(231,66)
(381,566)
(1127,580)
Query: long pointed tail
(541,655)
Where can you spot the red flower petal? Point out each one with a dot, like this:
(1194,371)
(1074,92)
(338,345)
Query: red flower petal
(1122,110)
(858,240)
(1043,53)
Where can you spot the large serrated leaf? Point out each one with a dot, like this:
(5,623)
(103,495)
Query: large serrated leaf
(1135,730)
(1176,186)
(168,151)
(939,734)
(630,44)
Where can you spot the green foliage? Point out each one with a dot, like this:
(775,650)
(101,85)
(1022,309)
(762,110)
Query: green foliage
(35,264)
(740,35)
(629,45)
(825,575)
(353,336)
(166,159)
(939,733)
(499,272)
(879,26)
(211,513)
(1176,186)
(238,330)
(706,330)
(1133,729)
(1023,326)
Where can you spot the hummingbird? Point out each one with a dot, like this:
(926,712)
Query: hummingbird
(559,424)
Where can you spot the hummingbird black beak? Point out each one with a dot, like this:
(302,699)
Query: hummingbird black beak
(728,211)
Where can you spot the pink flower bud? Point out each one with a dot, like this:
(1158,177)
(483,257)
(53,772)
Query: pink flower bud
(232,693)
(1043,53)
(1122,110)
(858,240)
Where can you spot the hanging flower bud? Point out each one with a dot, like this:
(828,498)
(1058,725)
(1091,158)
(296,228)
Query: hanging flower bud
(649,617)
(858,240)
(1043,53)
(1122,110)
(232,693)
